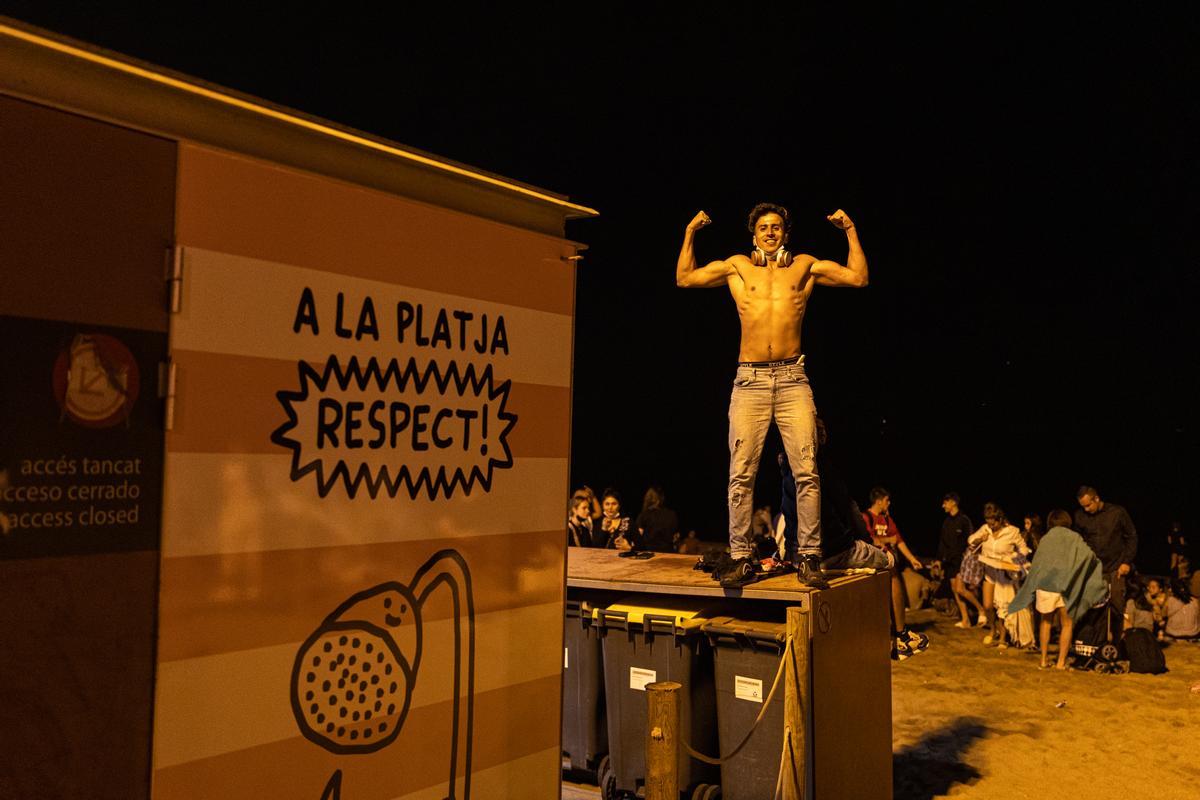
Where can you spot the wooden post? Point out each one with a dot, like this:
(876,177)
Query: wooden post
(796,705)
(662,741)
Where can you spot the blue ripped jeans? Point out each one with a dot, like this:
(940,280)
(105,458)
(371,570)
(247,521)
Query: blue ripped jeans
(761,394)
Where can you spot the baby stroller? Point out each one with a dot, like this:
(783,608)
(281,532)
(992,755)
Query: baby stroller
(1097,635)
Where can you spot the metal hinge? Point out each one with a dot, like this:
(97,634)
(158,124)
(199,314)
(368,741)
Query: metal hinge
(575,259)
(166,391)
(175,279)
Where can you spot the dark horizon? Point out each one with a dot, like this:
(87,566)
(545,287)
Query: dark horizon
(1024,189)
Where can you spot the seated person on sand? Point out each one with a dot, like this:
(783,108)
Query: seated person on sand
(1157,596)
(1139,612)
(1182,612)
(1066,578)
(1002,551)
(845,539)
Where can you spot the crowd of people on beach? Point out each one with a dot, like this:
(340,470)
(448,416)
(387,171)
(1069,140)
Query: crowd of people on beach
(1023,587)
(1023,584)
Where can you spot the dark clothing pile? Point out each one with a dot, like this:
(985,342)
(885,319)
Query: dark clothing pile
(1110,534)
(658,526)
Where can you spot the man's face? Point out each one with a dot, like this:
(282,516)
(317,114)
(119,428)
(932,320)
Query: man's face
(768,233)
(884,503)
(580,509)
(1090,503)
(950,507)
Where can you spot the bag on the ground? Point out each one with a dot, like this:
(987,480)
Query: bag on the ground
(1143,652)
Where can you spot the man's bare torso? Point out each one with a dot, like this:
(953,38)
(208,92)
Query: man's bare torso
(771,302)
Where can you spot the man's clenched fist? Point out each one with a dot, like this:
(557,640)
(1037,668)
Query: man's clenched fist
(841,220)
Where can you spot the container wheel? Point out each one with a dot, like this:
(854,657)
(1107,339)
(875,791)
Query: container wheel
(698,792)
(1109,652)
(608,782)
(713,793)
(604,766)
(1119,668)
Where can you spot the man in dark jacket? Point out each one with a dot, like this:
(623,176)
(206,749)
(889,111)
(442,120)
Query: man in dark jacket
(1108,530)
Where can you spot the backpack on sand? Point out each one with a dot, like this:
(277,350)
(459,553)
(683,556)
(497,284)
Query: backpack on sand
(1143,652)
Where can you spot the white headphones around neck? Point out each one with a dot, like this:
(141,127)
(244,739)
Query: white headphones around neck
(782,258)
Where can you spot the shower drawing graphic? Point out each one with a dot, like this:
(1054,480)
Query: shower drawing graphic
(354,676)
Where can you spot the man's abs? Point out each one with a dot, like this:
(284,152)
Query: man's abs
(771,305)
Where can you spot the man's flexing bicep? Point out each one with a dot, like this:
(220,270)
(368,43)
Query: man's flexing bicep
(854,273)
(709,276)
(831,273)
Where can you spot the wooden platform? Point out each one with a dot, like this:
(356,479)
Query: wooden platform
(667,573)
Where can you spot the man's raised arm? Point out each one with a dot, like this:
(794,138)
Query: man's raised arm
(854,273)
(686,273)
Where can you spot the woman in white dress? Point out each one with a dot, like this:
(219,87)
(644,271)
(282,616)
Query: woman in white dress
(1005,556)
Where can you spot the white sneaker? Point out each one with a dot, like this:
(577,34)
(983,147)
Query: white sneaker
(962,624)
(982,620)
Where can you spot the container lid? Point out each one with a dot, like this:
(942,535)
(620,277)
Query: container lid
(675,611)
(763,631)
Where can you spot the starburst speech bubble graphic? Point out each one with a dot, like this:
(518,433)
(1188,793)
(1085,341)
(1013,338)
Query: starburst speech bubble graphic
(397,426)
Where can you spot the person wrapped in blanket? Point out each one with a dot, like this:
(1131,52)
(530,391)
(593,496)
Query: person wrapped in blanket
(1005,559)
(1066,578)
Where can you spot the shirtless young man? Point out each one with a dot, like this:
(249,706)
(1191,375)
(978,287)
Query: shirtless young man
(771,288)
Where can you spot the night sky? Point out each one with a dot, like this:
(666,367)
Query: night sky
(1026,190)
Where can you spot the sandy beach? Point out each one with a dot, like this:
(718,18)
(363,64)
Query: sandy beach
(970,721)
(975,722)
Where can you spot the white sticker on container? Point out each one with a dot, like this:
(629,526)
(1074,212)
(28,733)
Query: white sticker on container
(566,658)
(747,689)
(638,678)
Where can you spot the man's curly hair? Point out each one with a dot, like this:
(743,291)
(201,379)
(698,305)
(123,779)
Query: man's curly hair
(769,208)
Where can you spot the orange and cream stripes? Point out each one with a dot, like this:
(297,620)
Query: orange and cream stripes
(252,561)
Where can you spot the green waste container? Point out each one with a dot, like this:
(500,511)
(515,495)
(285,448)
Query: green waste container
(584,732)
(646,640)
(746,658)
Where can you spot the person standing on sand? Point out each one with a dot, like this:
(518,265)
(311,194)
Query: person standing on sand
(771,288)
(1002,553)
(1109,531)
(952,546)
(1066,578)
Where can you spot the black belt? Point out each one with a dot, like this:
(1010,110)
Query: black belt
(766,364)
